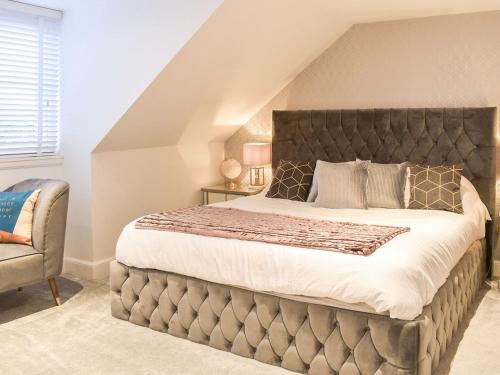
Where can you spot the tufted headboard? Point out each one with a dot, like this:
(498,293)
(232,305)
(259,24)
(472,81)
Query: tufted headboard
(423,135)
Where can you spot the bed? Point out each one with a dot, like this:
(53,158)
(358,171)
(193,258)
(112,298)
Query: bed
(317,312)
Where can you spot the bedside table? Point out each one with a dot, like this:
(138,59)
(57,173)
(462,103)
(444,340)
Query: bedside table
(240,191)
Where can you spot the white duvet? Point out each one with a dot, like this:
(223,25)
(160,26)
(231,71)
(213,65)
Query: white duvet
(399,278)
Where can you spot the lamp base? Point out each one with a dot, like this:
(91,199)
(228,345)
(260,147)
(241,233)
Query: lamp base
(256,177)
(231,185)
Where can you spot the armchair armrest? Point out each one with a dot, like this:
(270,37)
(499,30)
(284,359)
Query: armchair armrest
(49,221)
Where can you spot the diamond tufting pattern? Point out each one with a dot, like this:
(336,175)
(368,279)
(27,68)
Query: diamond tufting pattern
(298,336)
(431,136)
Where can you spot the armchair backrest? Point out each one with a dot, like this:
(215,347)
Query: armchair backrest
(49,220)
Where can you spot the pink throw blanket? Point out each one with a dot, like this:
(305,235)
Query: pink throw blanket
(359,239)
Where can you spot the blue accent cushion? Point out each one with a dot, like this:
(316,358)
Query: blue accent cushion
(16,216)
(11,204)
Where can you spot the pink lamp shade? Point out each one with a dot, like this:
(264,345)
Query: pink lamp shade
(256,153)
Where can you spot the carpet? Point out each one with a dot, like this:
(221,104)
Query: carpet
(81,337)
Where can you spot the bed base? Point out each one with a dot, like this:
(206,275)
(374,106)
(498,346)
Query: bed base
(298,336)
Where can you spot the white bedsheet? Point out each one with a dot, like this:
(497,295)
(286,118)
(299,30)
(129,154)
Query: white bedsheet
(400,278)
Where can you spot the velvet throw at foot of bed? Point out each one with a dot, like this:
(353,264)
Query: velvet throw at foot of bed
(298,336)
(350,238)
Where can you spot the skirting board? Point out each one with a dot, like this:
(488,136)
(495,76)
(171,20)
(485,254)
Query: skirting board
(87,270)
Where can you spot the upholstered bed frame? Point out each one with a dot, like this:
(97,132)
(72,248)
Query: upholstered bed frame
(317,339)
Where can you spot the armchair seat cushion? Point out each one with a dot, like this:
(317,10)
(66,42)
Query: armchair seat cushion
(10,251)
(19,265)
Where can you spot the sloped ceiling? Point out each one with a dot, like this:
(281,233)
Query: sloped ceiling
(241,57)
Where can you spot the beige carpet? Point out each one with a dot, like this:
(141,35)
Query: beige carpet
(81,337)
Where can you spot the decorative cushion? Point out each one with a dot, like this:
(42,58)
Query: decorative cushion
(313,192)
(292,180)
(341,185)
(385,186)
(16,216)
(435,187)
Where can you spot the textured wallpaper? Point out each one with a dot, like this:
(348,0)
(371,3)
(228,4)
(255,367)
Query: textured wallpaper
(427,62)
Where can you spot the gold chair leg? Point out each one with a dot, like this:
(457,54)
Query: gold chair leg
(55,293)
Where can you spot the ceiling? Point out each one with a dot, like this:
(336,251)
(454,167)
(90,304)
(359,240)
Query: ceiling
(244,54)
(241,57)
(379,10)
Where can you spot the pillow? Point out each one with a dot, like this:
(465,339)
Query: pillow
(313,193)
(341,185)
(471,202)
(264,191)
(385,186)
(435,187)
(16,216)
(292,180)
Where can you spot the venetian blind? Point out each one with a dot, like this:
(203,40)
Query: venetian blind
(29,82)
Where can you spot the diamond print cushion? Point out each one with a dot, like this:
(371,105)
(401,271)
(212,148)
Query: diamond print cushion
(435,187)
(341,185)
(292,180)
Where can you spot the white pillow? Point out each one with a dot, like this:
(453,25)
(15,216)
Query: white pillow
(471,201)
(264,191)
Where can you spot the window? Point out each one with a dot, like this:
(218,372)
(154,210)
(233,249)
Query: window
(29,80)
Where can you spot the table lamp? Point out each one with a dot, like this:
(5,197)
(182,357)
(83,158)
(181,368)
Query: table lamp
(256,155)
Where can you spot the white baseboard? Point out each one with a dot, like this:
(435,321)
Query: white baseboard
(86,269)
(496,268)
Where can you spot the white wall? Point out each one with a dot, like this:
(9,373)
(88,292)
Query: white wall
(131,183)
(13,172)
(112,50)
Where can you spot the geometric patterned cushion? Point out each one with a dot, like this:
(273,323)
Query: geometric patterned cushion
(435,187)
(292,180)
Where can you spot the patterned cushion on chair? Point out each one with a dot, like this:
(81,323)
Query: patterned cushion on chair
(435,187)
(16,216)
(292,180)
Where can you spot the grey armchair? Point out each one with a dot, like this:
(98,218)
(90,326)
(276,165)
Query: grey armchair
(21,265)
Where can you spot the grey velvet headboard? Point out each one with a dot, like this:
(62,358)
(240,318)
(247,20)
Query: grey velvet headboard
(422,135)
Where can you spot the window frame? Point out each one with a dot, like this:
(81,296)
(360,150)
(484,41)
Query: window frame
(38,158)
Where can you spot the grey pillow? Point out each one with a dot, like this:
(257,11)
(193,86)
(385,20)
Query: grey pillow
(313,192)
(341,185)
(385,186)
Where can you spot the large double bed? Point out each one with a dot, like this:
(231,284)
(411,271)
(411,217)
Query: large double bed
(392,312)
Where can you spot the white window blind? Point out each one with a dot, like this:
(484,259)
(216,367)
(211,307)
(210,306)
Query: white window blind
(29,83)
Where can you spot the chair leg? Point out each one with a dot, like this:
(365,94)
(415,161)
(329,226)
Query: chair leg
(55,293)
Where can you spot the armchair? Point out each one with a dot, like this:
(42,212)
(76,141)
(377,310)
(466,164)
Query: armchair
(21,265)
